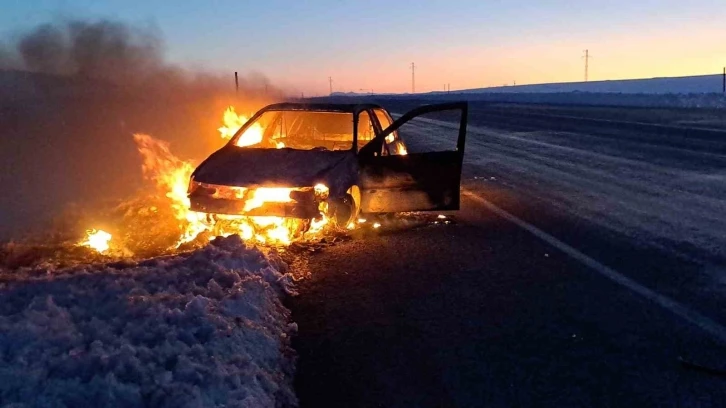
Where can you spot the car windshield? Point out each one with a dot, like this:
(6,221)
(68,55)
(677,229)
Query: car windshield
(304,130)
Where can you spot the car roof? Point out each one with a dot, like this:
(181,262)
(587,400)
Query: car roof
(321,107)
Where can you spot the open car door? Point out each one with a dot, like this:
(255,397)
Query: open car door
(415,181)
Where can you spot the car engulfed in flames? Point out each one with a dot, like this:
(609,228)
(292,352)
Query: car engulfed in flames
(290,172)
(249,208)
(266,215)
(325,163)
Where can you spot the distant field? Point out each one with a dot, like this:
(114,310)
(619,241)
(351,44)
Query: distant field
(701,91)
(706,118)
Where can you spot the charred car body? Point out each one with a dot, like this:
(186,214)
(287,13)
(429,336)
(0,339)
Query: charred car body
(301,160)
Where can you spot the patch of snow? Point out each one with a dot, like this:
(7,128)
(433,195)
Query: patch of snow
(202,329)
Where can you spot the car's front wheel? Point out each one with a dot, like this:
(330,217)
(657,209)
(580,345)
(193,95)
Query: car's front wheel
(344,210)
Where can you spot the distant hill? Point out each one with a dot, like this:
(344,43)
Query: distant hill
(701,91)
(698,84)
(670,85)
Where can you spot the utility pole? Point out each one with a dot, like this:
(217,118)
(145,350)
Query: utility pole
(724,80)
(587,64)
(413,78)
(236,83)
(330,80)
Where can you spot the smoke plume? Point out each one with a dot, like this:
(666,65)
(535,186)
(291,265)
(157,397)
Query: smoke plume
(72,94)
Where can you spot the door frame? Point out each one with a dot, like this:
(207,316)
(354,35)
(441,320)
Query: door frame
(417,181)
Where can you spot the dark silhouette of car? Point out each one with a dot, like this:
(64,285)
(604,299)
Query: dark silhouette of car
(341,159)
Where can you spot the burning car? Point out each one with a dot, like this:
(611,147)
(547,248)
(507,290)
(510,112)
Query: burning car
(333,161)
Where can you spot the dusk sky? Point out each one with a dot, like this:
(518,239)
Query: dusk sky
(370,45)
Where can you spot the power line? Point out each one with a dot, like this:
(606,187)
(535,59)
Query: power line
(587,64)
(413,78)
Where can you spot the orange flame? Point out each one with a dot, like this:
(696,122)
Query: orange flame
(97,240)
(233,122)
(264,195)
(171,175)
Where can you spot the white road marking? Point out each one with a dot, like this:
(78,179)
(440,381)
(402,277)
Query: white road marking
(708,325)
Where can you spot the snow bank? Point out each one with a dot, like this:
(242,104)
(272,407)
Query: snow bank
(203,329)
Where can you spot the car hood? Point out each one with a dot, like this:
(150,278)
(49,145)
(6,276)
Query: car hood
(235,166)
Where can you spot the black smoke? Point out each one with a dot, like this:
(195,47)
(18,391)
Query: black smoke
(73,93)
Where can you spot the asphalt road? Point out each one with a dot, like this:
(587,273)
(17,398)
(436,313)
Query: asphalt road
(621,282)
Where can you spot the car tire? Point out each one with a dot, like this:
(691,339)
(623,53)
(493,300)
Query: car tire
(346,208)
(343,210)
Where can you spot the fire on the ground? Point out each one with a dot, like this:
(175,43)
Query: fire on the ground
(171,175)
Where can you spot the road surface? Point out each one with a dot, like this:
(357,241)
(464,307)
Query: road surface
(585,268)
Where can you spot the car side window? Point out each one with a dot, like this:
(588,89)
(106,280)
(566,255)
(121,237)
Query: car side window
(383,118)
(393,144)
(367,135)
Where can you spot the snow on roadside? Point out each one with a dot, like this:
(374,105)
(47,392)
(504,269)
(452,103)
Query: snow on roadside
(201,329)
